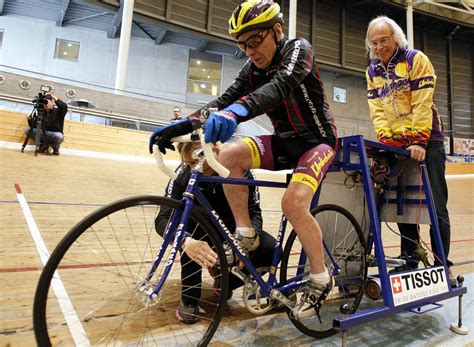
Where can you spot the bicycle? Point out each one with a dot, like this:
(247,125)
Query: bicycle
(130,285)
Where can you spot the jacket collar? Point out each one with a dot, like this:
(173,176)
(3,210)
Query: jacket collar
(378,65)
(276,60)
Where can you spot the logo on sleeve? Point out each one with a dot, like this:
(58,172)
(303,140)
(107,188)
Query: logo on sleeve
(294,57)
(401,69)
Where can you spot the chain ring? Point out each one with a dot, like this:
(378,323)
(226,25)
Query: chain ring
(254,302)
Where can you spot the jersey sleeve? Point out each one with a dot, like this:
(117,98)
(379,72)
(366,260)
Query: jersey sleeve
(62,108)
(422,80)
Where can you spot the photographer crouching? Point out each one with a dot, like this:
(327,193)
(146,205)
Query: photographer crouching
(52,124)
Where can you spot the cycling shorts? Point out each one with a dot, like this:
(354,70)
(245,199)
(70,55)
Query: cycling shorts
(309,161)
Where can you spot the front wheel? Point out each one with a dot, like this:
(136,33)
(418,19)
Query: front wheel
(92,290)
(345,259)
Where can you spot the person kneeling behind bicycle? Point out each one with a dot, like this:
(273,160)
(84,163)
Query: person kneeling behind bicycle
(200,251)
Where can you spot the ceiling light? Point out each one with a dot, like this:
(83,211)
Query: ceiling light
(198,62)
(65,53)
(203,86)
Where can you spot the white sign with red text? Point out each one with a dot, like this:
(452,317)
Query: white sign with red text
(415,285)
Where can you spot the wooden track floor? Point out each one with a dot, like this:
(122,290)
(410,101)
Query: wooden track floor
(62,190)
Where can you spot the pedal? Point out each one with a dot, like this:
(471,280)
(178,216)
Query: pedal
(237,272)
(277,295)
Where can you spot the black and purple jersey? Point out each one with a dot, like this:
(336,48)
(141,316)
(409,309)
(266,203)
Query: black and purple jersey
(289,91)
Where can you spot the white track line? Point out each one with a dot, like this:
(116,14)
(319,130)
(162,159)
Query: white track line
(75,327)
(151,160)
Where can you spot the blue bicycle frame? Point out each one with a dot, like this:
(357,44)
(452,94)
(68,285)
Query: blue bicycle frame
(178,224)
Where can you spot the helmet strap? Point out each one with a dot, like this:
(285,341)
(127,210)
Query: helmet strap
(275,36)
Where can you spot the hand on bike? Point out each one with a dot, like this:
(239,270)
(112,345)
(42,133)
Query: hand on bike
(200,252)
(222,124)
(162,135)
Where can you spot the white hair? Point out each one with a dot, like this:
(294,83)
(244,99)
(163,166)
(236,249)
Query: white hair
(397,32)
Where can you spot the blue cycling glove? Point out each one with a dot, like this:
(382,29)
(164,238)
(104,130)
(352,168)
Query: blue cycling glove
(162,135)
(222,124)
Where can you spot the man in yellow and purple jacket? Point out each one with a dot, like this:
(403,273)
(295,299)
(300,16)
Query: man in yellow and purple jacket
(400,89)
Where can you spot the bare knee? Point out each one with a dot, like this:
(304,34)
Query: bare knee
(235,156)
(295,203)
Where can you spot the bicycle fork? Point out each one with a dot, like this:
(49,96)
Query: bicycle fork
(146,292)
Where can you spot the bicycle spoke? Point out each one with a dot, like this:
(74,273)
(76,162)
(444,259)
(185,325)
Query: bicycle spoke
(104,261)
(344,240)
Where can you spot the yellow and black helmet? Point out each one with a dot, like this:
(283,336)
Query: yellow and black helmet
(254,14)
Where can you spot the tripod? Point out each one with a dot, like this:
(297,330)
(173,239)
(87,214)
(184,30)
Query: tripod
(36,122)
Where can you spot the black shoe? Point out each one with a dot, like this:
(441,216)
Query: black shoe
(188,314)
(42,148)
(55,152)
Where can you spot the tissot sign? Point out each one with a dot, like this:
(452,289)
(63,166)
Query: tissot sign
(416,285)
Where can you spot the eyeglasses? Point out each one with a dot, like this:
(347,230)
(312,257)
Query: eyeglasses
(253,41)
(383,41)
(176,111)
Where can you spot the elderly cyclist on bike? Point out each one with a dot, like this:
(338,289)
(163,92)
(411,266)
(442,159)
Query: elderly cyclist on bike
(281,79)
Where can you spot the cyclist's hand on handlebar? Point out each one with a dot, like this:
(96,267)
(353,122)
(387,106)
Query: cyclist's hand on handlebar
(200,252)
(162,135)
(221,125)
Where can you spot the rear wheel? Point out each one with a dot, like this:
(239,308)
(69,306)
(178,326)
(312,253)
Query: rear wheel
(91,290)
(345,258)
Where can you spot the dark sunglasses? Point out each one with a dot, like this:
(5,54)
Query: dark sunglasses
(253,41)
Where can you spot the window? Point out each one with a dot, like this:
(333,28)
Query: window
(67,50)
(204,75)
(340,94)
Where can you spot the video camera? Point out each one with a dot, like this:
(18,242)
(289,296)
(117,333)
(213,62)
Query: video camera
(40,100)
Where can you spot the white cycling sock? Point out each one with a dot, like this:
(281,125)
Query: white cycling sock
(322,277)
(246,231)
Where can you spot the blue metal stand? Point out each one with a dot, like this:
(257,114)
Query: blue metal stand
(353,155)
